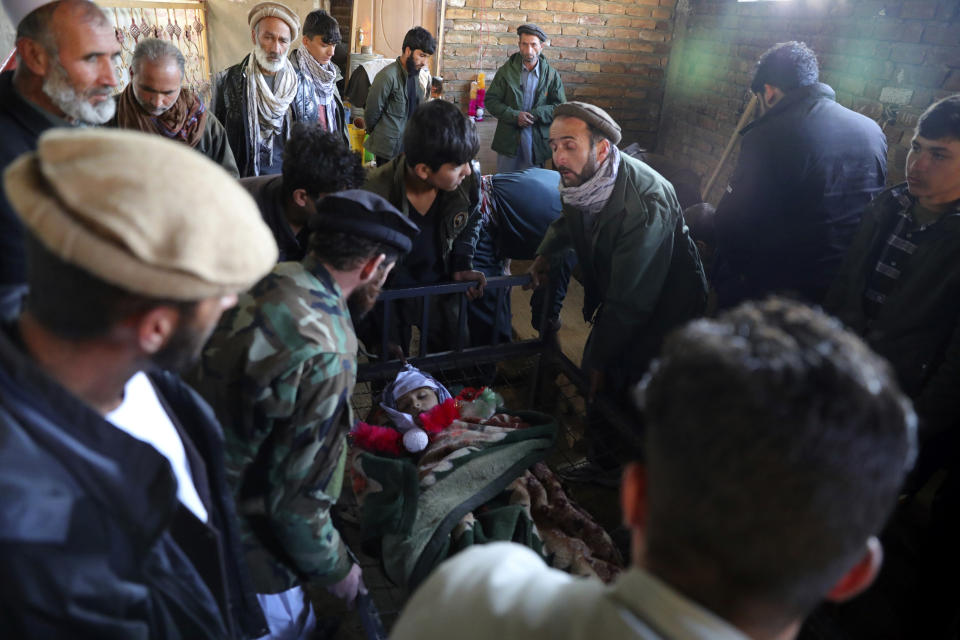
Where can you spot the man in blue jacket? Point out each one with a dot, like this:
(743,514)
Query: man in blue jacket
(807,168)
(115,517)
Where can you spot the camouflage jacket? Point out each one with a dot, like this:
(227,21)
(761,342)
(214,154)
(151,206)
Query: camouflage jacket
(279,371)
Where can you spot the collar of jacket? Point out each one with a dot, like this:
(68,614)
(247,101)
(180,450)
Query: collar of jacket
(449,200)
(29,115)
(617,202)
(893,200)
(516,61)
(124,475)
(814,91)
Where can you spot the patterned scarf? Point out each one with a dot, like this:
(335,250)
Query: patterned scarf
(184,121)
(324,78)
(266,108)
(591,196)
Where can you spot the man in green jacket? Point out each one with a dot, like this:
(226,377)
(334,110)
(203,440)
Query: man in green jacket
(395,94)
(522,97)
(641,272)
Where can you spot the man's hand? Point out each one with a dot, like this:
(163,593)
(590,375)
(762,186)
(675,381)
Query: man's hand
(472,276)
(348,588)
(538,273)
(525,119)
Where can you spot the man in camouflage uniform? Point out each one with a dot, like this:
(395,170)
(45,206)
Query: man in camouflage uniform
(279,372)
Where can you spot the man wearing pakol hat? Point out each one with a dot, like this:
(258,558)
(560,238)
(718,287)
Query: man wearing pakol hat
(279,372)
(522,97)
(154,101)
(258,99)
(641,272)
(115,517)
(64,76)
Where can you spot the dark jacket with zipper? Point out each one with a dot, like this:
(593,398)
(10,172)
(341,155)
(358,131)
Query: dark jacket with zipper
(230,107)
(94,542)
(807,168)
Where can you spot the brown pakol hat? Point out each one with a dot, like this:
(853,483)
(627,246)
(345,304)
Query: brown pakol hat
(275,10)
(593,116)
(141,212)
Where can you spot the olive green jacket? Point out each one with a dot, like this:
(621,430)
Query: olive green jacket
(642,274)
(385,113)
(460,210)
(504,100)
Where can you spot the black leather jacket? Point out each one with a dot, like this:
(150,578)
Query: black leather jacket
(230,107)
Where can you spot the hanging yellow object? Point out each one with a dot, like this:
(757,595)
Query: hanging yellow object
(481,80)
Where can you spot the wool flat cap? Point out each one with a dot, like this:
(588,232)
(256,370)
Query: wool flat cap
(275,10)
(365,214)
(146,214)
(533,30)
(593,116)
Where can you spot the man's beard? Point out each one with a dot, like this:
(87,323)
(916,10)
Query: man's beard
(57,86)
(589,170)
(183,348)
(149,109)
(363,299)
(263,59)
(412,66)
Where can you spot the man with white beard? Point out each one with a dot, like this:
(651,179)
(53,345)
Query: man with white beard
(66,55)
(258,99)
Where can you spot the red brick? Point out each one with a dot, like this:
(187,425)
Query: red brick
(617,45)
(662,13)
(566,17)
(590,43)
(591,19)
(559,6)
(588,67)
(626,33)
(574,30)
(454,14)
(618,22)
(466,26)
(563,41)
(586,7)
(535,5)
(613,9)
(506,4)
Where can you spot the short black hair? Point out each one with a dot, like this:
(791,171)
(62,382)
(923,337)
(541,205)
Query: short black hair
(438,133)
(73,304)
(319,161)
(787,66)
(419,38)
(776,446)
(941,119)
(347,251)
(320,23)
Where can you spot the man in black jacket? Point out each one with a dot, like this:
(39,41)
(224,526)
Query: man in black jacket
(807,168)
(115,517)
(64,76)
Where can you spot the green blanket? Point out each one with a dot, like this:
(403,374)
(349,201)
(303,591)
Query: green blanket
(423,511)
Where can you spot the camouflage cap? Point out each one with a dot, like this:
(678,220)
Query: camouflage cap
(365,214)
(146,214)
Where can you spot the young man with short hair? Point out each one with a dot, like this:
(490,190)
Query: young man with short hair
(395,94)
(776,445)
(315,163)
(314,58)
(433,184)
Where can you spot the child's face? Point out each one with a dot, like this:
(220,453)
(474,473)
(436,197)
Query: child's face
(417,401)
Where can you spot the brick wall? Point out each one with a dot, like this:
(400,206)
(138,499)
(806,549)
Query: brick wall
(613,54)
(887,59)
(342,11)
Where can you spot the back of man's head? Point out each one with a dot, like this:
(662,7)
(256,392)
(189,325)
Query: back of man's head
(941,120)
(319,162)
(787,66)
(419,38)
(438,133)
(777,443)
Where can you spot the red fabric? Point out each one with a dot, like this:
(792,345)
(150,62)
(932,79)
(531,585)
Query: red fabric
(375,439)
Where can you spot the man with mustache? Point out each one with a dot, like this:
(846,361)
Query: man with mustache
(259,99)
(115,517)
(279,372)
(522,97)
(66,58)
(641,273)
(154,101)
(396,93)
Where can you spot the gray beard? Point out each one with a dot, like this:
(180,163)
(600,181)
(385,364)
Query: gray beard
(265,64)
(57,87)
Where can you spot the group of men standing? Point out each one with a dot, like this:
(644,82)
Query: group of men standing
(131,507)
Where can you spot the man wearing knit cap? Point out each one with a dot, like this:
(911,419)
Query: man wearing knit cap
(154,101)
(522,97)
(65,76)
(641,272)
(258,99)
(115,517)
(279,372)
